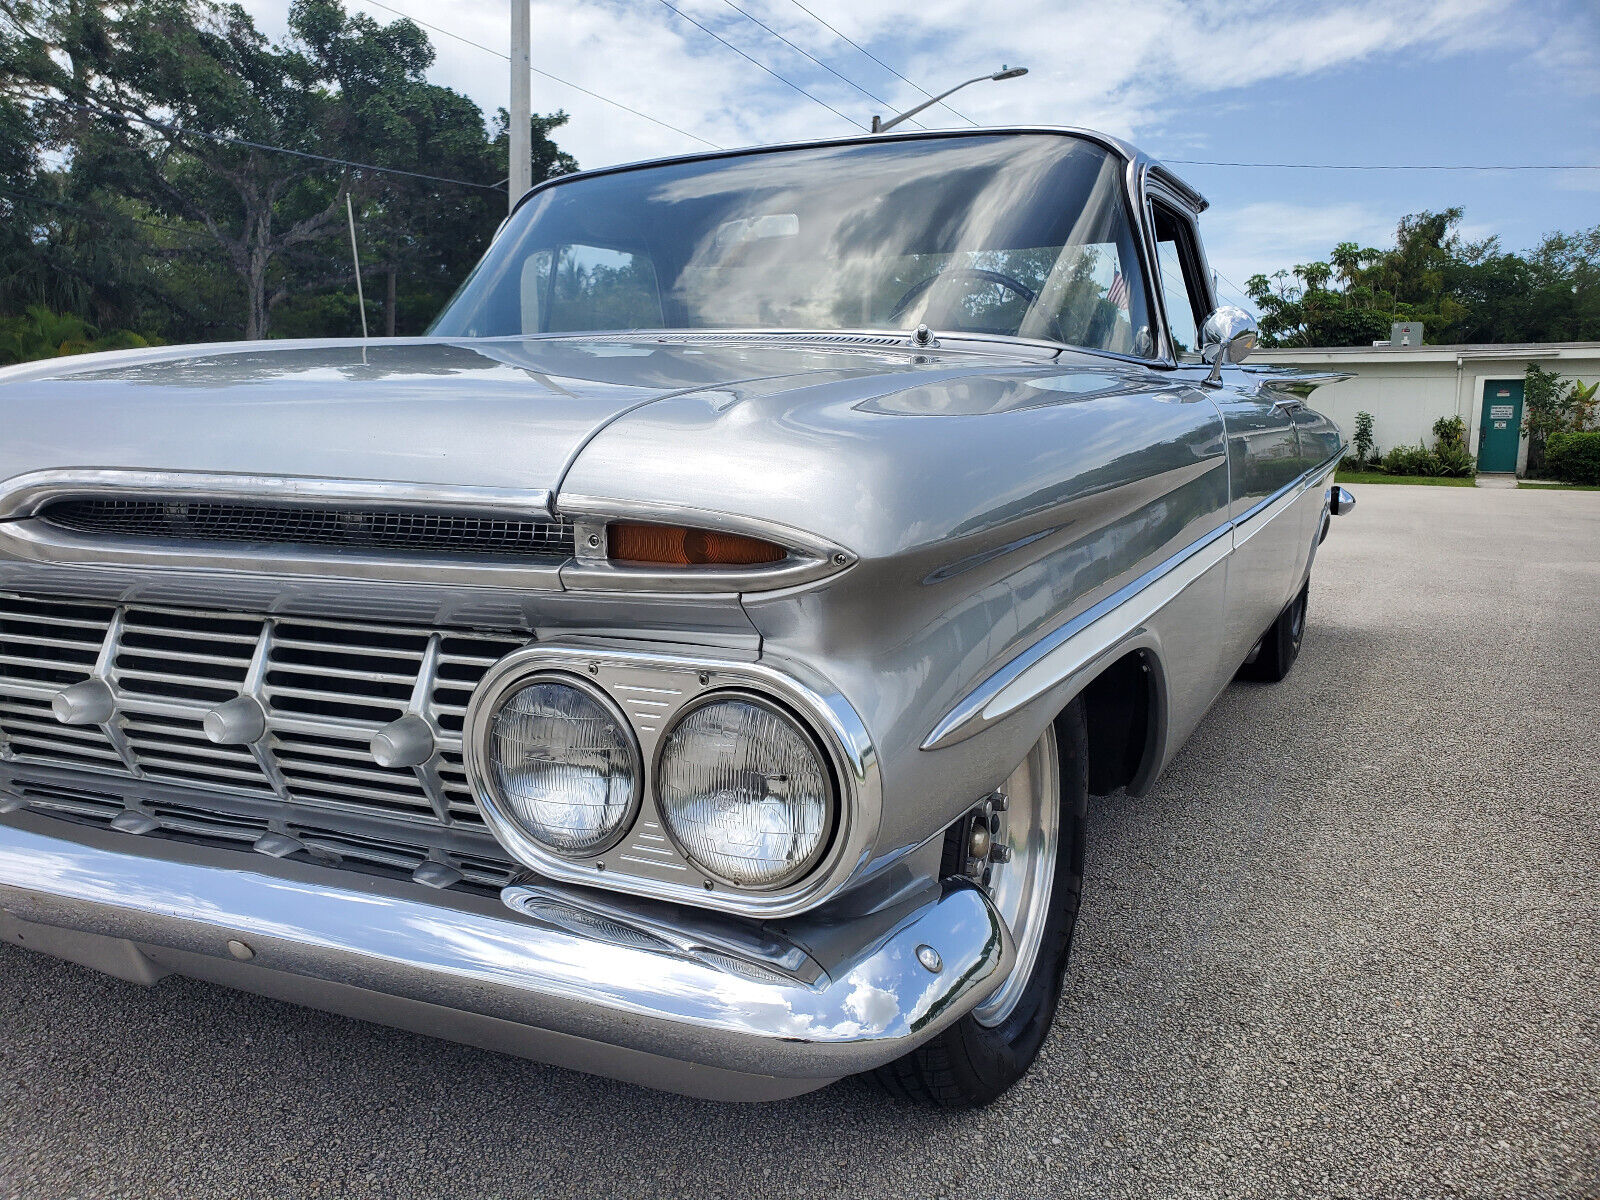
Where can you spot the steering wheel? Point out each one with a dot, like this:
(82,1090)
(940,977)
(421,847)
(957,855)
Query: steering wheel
(916,290)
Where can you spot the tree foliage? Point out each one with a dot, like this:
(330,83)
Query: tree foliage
(1551,405)
(146,192)
(1460,291)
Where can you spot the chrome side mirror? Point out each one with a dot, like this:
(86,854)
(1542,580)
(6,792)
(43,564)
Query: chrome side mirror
(1340,501)
(1228,335)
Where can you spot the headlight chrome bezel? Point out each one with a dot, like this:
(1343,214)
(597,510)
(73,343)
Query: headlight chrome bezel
(505,826)
(654,690)
(832,803)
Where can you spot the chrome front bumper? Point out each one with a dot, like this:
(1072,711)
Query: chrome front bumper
(640,1001)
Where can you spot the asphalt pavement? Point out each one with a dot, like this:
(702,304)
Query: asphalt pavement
(1350,946)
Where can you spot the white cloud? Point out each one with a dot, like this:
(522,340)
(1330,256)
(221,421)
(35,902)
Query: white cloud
(1271,235)
(1124,68)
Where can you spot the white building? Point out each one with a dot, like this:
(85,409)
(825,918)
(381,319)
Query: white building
(1407,388)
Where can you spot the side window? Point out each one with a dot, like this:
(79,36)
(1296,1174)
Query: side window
(599,288)
(1178,258)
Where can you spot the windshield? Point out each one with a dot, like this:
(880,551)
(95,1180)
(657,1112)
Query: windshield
(1020,235)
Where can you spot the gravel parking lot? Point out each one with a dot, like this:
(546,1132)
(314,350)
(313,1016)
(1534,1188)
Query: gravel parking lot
(1349,947)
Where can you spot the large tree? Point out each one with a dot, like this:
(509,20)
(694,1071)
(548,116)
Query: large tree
(173,104)
(1460,291)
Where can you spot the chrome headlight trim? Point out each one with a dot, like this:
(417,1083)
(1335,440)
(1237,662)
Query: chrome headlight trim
(652,687)
(506,829)
(801,726)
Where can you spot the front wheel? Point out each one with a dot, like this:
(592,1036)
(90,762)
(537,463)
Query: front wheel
(1035,840)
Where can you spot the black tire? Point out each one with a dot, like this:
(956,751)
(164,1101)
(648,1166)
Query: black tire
(1280,645)
(969,1065)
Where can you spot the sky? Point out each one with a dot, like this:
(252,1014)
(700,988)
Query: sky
(1478,82)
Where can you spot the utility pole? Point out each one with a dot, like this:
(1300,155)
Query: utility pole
(521,171)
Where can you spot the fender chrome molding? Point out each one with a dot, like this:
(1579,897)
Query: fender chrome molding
(1088,638)
(1081,642)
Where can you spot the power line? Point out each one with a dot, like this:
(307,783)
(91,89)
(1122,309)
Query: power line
(786,82)
(806,53)
(1200,162)
(233,141)
(1237,290)
(836,33)
(577,87)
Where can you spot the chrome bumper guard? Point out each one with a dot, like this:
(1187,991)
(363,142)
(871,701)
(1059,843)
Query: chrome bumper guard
(542,974)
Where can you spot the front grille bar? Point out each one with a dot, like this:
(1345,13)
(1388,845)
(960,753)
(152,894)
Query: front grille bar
(319,692)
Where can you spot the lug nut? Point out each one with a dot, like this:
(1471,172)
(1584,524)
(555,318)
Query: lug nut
(979,842)
(1000,854)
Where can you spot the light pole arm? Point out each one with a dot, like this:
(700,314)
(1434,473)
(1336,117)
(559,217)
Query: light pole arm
(879,126)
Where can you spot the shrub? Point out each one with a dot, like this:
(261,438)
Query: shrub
(40,333)
(1552,405)
(1449,460)
(1450,433)
(1407,460)
(1574,457)
(1362,443)
(1456,461)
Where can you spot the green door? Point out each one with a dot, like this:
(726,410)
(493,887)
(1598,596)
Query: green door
(1500,428)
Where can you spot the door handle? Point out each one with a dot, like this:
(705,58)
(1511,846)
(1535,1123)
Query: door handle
(1288,406)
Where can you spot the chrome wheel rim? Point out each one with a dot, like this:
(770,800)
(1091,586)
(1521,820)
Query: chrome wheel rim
(1019,888)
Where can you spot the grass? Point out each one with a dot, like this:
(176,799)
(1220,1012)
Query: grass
(1423,480)
(1558,486)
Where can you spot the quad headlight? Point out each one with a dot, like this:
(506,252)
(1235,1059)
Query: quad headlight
(745,792)
(562,765)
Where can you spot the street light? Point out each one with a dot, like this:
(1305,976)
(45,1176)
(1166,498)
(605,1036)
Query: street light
(881,126)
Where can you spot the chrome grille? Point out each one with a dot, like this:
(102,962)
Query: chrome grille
(324,687)
(305,525)
(191,822)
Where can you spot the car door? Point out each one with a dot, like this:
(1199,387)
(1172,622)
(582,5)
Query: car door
(1264,452)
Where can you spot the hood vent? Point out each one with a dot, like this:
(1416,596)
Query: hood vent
(383,530)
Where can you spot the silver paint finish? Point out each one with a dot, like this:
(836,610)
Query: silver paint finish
(575,978)
(978,528)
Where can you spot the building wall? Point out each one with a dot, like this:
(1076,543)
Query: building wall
(1407,389)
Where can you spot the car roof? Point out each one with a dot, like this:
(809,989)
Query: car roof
(1125,150)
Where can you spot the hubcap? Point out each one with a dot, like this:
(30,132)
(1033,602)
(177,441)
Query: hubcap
(1023,835)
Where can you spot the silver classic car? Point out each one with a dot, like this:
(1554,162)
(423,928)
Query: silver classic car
(691,662)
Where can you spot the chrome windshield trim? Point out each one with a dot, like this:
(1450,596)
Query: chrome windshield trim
(1122,149)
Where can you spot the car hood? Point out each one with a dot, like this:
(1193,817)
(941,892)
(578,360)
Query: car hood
(510,412)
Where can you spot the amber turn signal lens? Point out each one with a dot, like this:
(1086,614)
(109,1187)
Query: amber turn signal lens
(675,546)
